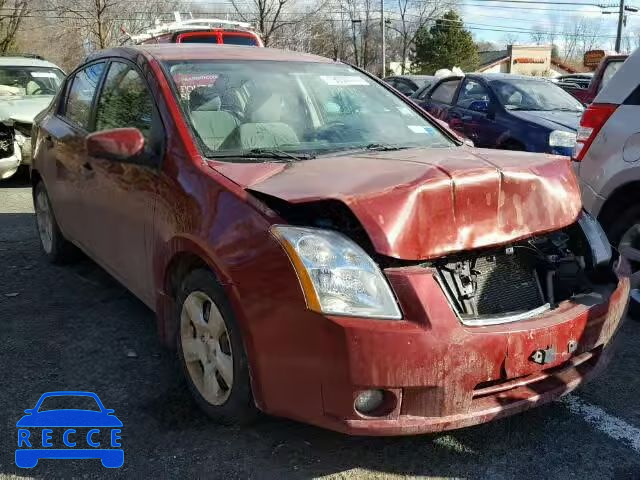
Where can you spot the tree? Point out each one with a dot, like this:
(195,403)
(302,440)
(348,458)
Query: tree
(102,21)
(445,45)
(484,46)
(10,22)
(538,36)
(413,15)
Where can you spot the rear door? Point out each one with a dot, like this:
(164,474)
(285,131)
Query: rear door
(62,143)
(121,197)
(439,101)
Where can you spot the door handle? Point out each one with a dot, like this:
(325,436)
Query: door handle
(48,141)
(466,118)
(87,166)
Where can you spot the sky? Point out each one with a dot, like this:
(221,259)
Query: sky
(493,20)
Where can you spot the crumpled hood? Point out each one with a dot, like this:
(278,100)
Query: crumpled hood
(552,120)
(423,203)
(22,108)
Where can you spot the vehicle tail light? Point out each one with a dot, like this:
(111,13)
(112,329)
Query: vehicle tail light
(593,119)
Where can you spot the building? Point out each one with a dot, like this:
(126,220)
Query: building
(525,60)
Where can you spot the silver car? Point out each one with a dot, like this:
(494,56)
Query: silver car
(27,86)
(607,158)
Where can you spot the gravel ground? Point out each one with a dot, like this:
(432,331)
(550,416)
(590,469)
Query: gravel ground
(75,328)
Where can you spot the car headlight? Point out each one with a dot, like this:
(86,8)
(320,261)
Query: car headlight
(562,138)
(337,276)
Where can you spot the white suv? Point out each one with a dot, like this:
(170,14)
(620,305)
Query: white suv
(607,158)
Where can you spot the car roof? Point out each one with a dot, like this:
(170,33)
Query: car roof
(19,61)
(194,51)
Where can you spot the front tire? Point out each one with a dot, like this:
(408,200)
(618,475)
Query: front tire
(56,248)
(211,351)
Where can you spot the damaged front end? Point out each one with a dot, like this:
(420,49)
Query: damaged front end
(529,277)
(15,146)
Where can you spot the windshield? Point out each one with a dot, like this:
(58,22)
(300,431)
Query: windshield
(30,80)
(523,94)
(294,107)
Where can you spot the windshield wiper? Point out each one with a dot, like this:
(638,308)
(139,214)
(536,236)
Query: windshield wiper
(266,153)
(383,147)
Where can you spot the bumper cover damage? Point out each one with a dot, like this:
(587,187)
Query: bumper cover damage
(445,375)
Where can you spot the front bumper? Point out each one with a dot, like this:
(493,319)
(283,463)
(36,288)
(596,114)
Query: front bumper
(441,375)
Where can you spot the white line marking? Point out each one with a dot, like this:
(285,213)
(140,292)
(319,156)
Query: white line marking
(612,426)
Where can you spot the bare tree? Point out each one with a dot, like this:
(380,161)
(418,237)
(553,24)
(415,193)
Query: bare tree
(10,22)
(409,17)
(538,36)
(104,20)
(510,39)
(579,35)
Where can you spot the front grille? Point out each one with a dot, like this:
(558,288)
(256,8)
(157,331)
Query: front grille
(6,141)
(505,283)
(491,285)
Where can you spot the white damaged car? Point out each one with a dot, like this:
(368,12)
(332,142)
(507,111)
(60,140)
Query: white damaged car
(27,86)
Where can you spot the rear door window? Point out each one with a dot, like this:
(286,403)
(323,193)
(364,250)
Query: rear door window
(445,91)
(80,95)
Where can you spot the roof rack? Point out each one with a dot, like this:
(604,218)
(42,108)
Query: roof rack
(191,24)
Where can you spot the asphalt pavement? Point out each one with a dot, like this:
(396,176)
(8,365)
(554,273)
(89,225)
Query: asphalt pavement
(75,328)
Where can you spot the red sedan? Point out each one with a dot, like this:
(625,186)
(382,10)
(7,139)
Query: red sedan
(317,247)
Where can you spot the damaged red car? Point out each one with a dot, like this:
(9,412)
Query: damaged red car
(316,247)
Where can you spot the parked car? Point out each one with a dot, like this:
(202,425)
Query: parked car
(607,69)
(201,30)
(27,85)
(507,111)
(606,157)
(409,84)
(317,247)
(580,80)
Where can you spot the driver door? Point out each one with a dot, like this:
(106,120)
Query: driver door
(479,125)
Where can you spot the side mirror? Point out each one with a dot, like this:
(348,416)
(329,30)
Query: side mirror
(481,106)
(109,411)
(29,410)
(118,144)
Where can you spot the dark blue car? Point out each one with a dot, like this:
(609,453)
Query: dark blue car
(69,425)
(506,111)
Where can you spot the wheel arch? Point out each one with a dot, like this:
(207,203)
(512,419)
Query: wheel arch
(618,201)
(182,255)
(186,255)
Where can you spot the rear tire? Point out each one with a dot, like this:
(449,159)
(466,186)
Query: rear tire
(625,230)
(56,248)
(211,351)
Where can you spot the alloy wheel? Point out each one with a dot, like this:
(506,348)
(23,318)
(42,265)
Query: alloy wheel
(206,348)
(44,220)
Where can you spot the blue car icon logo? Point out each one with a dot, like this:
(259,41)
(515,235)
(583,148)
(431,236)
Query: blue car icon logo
(48,431)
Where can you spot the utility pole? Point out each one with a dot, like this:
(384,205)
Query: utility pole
(384,60)
(621,22)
